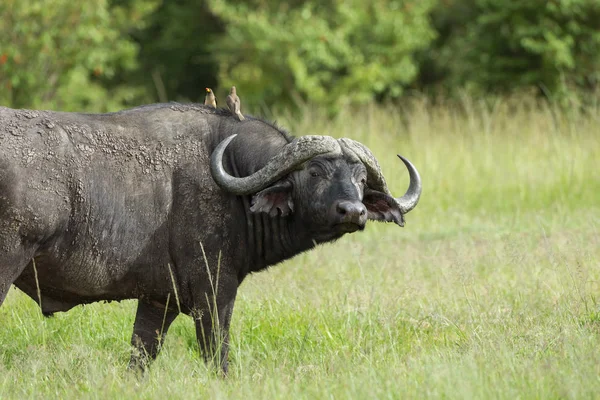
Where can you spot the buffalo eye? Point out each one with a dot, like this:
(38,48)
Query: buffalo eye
(363,181)
(314,173)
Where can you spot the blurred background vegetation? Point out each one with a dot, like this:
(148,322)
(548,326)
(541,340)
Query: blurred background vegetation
(104,55)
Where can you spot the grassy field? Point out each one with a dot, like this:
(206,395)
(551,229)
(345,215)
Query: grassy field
(492,290)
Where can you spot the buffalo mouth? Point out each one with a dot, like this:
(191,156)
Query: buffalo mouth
(336,231)
(348,227)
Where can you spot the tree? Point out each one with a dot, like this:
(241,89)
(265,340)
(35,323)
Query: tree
(63,54)
(333,52)
(504,45)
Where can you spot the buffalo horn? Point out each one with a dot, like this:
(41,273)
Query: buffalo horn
(289,158)
(375,177)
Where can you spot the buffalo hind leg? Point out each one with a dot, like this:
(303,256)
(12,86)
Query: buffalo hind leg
(213,333)
(149,330)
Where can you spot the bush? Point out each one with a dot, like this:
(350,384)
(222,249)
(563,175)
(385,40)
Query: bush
(176,61)
(62,54)
(503,45)
(331,53)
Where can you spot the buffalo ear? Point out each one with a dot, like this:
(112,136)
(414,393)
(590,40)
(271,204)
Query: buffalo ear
(382,207)
(274,200)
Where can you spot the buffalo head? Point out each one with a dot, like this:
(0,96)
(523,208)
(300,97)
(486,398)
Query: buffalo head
(332,186)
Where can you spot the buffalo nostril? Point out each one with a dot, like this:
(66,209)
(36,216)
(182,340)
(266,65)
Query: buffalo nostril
(351,209)
(351,212)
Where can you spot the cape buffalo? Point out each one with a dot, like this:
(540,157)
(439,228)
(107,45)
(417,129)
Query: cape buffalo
(173,205)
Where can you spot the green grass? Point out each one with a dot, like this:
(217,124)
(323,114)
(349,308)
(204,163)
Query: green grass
(492,289)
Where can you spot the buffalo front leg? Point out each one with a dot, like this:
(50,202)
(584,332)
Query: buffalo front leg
(212,329)
(152,321)
(13,259)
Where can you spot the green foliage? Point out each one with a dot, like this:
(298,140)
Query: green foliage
(331,53)
(175,54)
(63,54)
(502,45)
(108,54)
